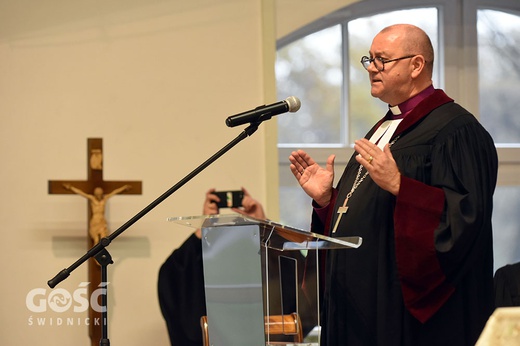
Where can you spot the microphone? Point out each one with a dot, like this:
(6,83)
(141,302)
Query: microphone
(291,104)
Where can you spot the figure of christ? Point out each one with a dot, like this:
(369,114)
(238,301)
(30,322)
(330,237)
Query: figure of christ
(98,227)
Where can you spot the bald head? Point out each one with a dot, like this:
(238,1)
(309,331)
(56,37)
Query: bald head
(412,40)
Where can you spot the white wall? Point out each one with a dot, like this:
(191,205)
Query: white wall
(294,14)
(155,80)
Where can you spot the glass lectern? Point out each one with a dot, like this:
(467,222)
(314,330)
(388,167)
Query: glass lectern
(261,280)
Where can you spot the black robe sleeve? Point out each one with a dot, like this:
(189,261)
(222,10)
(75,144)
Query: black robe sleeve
(443,228)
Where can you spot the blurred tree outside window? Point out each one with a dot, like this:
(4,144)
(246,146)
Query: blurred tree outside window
(499,74)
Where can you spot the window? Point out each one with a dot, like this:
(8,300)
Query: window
(499,73)
(498,37)
(320,65)
(311,68)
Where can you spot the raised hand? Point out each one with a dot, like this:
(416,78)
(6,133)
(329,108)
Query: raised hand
(315,180)
(380,164)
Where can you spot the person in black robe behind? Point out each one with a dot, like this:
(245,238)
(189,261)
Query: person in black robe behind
(181,282)
(181,293)
(419,191)
(507,285)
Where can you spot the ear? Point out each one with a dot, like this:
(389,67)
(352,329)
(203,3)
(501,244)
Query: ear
(418,64)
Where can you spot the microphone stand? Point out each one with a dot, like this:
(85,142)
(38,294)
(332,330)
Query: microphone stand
(99,250)
(104,259)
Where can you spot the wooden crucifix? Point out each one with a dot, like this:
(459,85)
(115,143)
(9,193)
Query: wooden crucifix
(97,191)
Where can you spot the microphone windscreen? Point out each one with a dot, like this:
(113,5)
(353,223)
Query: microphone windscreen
(293,103)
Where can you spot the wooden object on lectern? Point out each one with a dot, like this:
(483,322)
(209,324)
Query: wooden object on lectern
(274,325)
(97,224)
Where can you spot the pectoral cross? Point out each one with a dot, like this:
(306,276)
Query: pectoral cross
(341,210)
(84,187)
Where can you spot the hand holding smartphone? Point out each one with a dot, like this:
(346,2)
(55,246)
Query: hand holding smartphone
(230,199)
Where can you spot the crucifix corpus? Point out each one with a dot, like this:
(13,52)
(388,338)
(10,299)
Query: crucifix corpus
(97,191)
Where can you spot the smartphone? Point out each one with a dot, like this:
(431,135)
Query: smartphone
(230,199)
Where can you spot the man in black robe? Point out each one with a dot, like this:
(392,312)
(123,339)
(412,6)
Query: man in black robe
(419,191)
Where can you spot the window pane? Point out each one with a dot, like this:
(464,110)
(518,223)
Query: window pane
(295,206)
(364,110)
(499,74)
(310,69)
(506,234)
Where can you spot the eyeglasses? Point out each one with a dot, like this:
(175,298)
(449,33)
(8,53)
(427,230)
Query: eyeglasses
(379,62)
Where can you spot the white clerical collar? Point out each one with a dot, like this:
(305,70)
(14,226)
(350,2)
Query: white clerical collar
(382,135)
(395,109)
